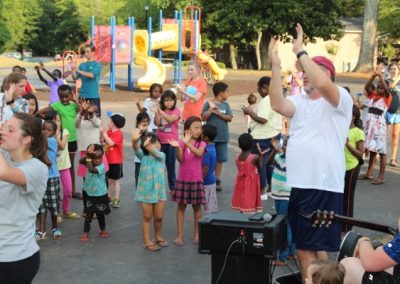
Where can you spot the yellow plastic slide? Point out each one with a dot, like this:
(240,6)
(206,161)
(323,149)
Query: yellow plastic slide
(218,73)
(154,72)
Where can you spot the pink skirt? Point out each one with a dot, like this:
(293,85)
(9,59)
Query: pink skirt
(82,169)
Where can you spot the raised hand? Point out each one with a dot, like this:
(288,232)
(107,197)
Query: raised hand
(136,134)
(147,141)
(298,42)
(90,150)
(173,143)
(187,137)
(41,65)
(36,68)
(136,98)
(273,53)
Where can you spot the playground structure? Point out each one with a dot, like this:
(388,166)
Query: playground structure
(128,45)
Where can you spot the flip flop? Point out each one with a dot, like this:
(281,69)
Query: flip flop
(364,176)
(178,243)
(195,241)
(162,243)
(378,181)
(152,247)
(104,234)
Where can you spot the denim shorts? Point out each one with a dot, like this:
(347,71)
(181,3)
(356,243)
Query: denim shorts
(221,148)
(392,118)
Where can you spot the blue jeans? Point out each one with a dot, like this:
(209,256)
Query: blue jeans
(265,171)
(281,207)
(170,158)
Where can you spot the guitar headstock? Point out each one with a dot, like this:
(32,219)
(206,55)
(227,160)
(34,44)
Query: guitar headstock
(320,218)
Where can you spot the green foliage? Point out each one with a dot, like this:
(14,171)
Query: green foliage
(332,48)
(389,51)
(389,18)
(351,8)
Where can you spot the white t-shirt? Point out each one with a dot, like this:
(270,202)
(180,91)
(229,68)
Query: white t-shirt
(18,208)
(274,120)
(315,150)
(148,105)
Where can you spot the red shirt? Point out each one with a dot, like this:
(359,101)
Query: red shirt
(374,96)
(115,153)
(191,108)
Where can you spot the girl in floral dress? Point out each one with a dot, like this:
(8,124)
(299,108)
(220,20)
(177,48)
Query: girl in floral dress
(375,126)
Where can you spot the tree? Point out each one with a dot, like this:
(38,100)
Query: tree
(4,33)
(368,40)
(389,18)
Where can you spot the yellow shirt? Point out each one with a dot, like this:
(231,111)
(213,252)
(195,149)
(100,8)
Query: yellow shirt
(355,135)
(274,121)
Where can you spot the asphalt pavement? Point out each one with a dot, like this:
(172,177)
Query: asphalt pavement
(122,259)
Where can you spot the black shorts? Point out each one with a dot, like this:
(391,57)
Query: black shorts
(115,171)
(72,146)
(307,201)
(381,277)
(21,271)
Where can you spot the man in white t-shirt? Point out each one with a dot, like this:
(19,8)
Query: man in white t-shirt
(315,163)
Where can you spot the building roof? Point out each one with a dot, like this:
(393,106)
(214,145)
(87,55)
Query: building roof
(352,24)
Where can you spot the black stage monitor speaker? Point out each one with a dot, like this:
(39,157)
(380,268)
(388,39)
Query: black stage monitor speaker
(252,241)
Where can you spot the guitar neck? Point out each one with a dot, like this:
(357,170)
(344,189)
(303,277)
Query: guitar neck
(365,224)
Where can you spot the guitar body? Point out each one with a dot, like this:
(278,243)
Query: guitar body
(348,245)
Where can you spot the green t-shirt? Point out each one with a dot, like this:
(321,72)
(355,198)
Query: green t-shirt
(68,114)
(355,135)
(90,86)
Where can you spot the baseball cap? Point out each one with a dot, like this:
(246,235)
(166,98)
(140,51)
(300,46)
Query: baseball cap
(117,118)
(325,62)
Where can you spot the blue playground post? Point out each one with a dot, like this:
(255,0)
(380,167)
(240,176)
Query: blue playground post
(149,28)
(112,62)
(180,48)
(92,30)
(196,23)
(160,53)
(131,83)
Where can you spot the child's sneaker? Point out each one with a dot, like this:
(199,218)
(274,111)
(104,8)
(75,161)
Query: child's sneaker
(264,196)
(56,234)
(116,203)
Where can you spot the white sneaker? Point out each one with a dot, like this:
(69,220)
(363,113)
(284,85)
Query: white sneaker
(264,196)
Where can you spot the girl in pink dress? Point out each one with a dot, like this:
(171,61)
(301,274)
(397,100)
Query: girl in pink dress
(189,187)
(246,196)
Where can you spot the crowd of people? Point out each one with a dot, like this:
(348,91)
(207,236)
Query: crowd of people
(330,134)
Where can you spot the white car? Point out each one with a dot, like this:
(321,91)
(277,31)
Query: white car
(13,54)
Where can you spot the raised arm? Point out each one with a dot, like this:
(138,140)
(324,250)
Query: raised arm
(279,103)
(41,78)
(317,77)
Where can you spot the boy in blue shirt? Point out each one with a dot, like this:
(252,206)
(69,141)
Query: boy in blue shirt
(218,112)
(51,198)
(209,132)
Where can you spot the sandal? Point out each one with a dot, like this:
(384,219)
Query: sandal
(152,247)
(393,163)
(104,234)
(71,215)
(161,243)
(378,181)
(39,236)
(56,234)
(195,241)
(84,237)
(178,242)
(365,176)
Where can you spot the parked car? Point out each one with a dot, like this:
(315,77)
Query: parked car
(37,59)
(13,54)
